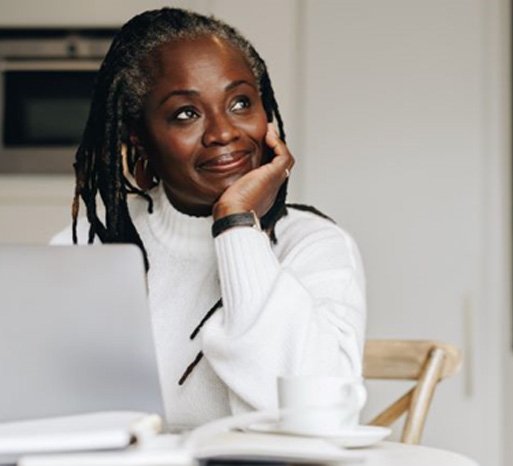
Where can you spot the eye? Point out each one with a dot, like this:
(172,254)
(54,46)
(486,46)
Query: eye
(185,114)
(240,103)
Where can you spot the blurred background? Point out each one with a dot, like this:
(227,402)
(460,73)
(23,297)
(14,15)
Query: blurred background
(398,113)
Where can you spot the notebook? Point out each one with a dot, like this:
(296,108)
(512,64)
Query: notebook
(75,332)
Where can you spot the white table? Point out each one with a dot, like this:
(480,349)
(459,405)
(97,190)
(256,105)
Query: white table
(384,453)
(398,454)
(162,451)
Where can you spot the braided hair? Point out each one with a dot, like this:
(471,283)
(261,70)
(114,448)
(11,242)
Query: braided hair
(106,155)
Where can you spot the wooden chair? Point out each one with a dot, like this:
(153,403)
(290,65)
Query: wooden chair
(427,362)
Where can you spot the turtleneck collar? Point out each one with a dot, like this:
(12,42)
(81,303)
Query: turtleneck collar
(175,228)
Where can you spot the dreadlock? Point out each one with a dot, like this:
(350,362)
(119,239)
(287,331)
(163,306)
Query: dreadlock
(106,155)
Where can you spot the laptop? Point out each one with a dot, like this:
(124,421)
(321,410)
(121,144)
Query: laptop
(75,332)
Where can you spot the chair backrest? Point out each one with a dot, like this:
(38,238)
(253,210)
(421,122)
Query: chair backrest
(426,362)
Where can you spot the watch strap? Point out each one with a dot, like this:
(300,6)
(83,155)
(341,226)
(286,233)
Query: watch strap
(246,219)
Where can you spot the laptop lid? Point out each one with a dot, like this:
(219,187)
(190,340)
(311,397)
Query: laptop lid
(75,332)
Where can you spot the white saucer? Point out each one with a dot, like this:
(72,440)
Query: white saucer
(352,437)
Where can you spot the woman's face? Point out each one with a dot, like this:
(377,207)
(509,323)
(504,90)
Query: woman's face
(204,122)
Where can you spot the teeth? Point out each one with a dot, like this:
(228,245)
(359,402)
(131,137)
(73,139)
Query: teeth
(225,158)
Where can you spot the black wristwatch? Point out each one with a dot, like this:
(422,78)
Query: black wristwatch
(243,219)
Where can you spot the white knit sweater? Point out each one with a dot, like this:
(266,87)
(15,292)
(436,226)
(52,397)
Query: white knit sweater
(297,307)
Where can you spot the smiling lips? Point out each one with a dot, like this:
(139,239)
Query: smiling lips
(226,162)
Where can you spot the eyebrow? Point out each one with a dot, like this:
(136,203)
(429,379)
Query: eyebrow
(186,92)
(193,93)
(235,84)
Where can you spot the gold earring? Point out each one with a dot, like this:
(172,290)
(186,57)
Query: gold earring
(143,174)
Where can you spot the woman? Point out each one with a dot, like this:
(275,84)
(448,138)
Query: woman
(180,148)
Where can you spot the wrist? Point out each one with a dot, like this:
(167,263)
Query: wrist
(222,210)
(239,219)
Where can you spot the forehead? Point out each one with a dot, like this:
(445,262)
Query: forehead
(184,60)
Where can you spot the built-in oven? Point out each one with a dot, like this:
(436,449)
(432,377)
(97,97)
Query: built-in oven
(46,82)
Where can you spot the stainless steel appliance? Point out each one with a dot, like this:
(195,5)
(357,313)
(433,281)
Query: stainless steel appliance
(46,81)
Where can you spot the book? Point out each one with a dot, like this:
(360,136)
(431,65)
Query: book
(110,430)
(249,446)
(240,447)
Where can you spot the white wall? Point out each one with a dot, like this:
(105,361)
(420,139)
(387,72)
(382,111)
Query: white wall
(398,146)
(398,114)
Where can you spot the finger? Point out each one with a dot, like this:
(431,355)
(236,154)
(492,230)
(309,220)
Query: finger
(272,139)
(281,166)
(282,156)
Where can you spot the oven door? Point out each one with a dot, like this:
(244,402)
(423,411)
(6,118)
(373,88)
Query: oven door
(44,106)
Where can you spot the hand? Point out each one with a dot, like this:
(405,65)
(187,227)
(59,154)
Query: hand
(257,189)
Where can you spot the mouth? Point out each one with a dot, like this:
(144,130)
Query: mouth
(227,162)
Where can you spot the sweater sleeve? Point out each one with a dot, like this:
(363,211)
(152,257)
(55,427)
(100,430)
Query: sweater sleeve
(301,313)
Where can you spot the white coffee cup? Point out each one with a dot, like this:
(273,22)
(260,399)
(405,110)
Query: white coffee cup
(319,404)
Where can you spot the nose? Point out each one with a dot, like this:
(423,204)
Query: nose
(219,131)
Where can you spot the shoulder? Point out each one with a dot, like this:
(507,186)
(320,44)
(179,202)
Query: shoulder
(138,208)
(308,238)
(303,226)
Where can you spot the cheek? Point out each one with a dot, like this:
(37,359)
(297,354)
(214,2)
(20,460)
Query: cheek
(174,149)
(257,128)
(262,122)
(262,130)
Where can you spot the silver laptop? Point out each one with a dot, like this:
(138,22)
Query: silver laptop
(75,332)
